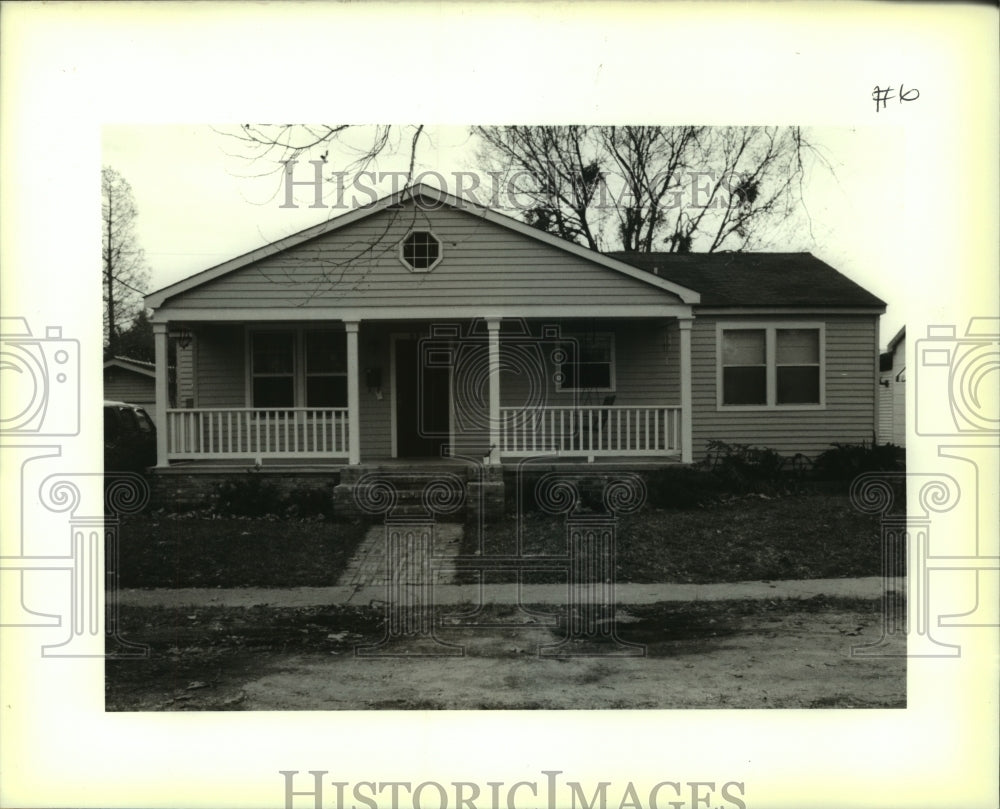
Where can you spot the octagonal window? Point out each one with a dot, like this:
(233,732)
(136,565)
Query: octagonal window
(421,251)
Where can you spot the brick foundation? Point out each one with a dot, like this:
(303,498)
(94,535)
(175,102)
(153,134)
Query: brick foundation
(172,489)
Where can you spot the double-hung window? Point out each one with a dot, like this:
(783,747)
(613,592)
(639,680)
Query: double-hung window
(326,369)
(298,368)
(587,363)
(272,363)
(773,365)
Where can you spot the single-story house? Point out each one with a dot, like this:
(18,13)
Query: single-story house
(129,380)
(423,326)
(892,391)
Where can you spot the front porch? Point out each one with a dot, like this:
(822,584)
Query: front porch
(491,391)
(322,434)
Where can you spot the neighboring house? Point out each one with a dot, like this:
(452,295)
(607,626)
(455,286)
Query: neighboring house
(424,325)
(128,380)
(892,392)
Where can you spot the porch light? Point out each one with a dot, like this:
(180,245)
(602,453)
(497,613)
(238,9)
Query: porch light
(184,338)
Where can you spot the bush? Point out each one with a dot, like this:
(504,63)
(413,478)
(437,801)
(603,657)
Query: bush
(683,487)
(308,501)
(254,496)
(250,496)
(844,462)
(742,468)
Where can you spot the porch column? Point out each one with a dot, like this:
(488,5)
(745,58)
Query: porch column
(685,350)
(162,391)
(353,396)
(493,328)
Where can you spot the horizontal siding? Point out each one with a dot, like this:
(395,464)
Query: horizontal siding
(220,374)
(849,415)
(482,264)
(646,366)
(121,385)
(185,381)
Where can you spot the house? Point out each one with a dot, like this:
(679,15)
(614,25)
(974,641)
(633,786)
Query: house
(424,326)
(892,391)
(129,380)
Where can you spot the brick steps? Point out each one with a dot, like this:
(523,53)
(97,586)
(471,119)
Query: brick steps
(449,491)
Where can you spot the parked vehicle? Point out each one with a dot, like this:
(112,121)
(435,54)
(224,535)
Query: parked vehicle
(129,438)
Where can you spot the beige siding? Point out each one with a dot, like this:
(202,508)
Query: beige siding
(185,374)
(849,415)
(220,379)
(885,412)
(122,385)
(358,265)
(646,365)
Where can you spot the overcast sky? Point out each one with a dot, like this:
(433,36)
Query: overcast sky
(202,201)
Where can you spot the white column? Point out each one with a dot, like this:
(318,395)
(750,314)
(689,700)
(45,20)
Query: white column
(493,328)
(685,351)
(162,391)
(353,395)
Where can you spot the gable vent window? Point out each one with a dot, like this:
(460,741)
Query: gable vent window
(420,251)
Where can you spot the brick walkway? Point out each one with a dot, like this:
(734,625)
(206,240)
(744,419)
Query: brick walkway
(367,567)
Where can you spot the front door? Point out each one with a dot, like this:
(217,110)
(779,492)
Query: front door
(422,403)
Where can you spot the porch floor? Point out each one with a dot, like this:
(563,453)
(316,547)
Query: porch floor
(608,463)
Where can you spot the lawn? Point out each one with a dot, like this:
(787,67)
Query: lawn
(747,538)
(190,551)
(809,536)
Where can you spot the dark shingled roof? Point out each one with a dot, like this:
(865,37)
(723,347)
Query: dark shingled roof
(755,279)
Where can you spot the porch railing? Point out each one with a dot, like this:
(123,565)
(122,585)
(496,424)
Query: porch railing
(595,430)
(294,432)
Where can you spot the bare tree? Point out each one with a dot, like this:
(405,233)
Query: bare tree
(643,188)
(637,188)
(347,147)
(123,262)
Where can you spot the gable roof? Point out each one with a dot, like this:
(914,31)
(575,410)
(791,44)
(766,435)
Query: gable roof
(756,279)
(420,191)
(129,364)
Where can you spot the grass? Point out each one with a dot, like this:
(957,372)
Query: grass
(190,551)
(750,538)
(740,539)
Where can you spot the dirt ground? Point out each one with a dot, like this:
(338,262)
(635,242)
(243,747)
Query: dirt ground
(788,654)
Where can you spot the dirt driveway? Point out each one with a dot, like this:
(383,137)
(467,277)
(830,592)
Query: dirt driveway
(779,654)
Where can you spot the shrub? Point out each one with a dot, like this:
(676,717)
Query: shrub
(249,496)
(308,501)
(683,487)
(844,462)
(743,468)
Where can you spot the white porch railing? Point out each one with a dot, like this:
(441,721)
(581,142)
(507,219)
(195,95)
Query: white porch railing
(594,430)
(294,432)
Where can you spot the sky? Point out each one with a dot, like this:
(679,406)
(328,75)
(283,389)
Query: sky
(203,200)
